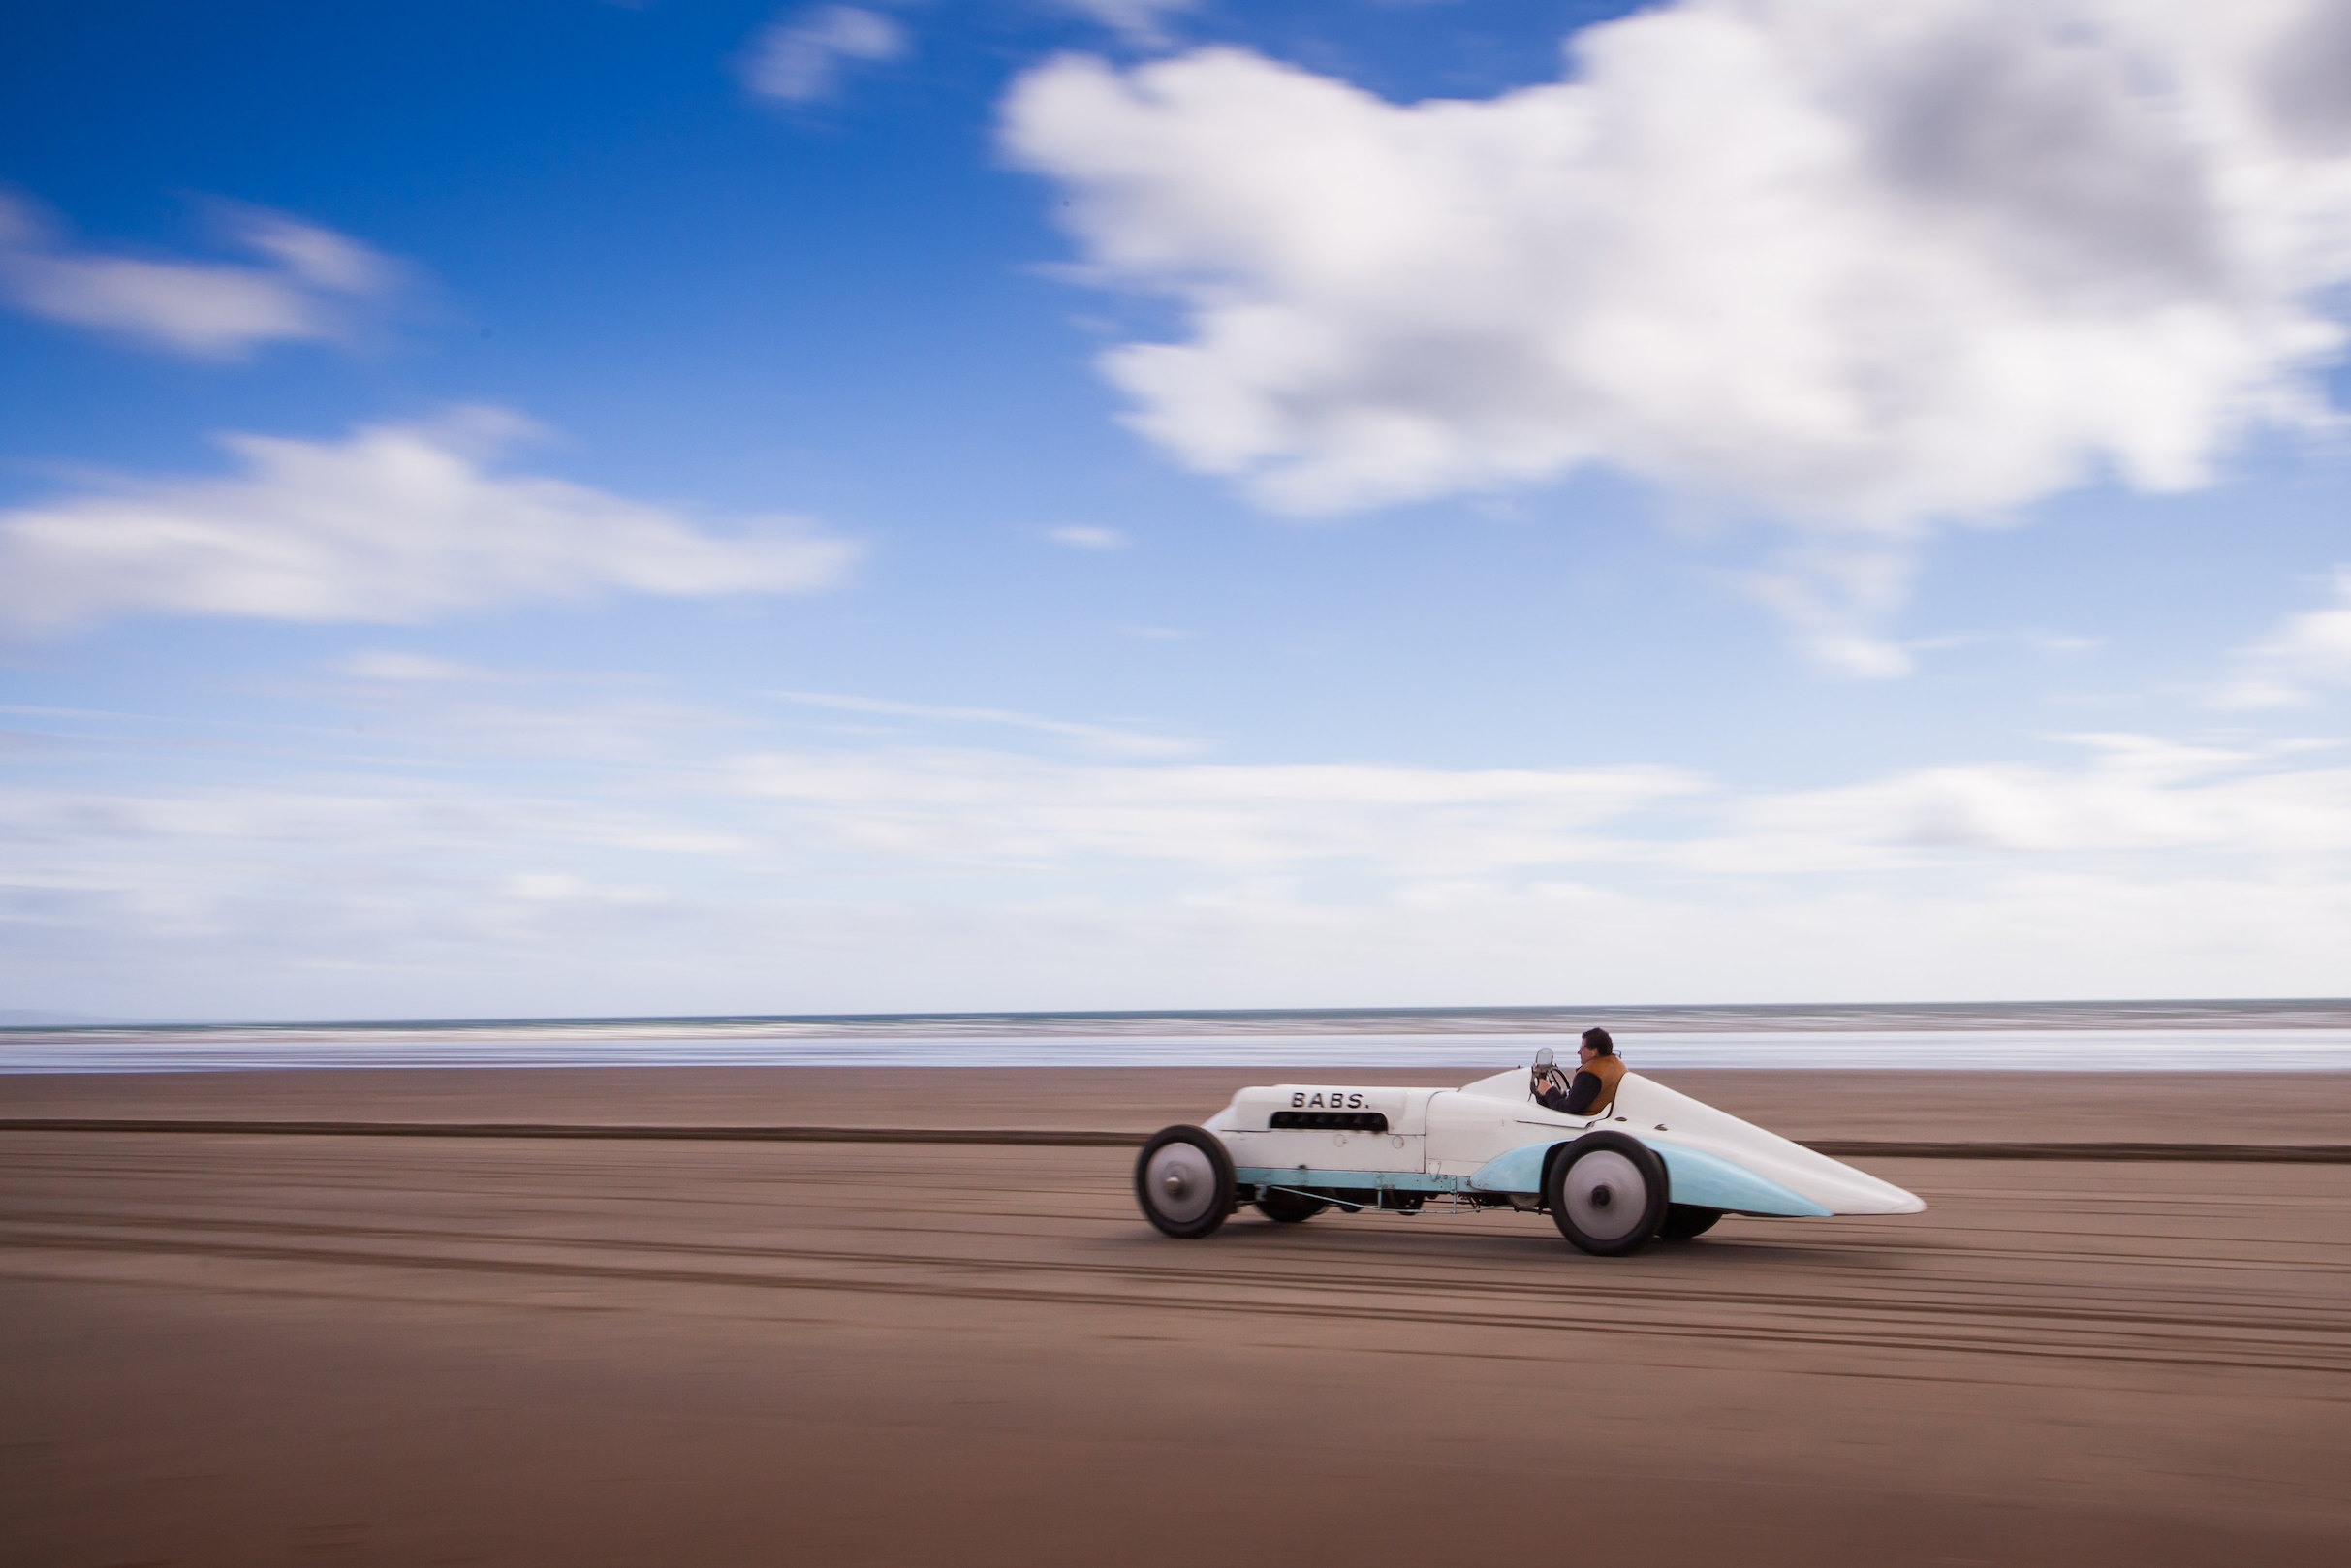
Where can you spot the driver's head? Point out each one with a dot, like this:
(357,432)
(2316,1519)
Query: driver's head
(1596,1043)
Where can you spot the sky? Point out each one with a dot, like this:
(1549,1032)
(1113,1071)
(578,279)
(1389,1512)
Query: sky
(568,508)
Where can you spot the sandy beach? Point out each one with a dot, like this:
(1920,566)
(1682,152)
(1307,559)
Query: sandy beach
(249,1350)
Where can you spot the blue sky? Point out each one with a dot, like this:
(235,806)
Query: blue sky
(572,508)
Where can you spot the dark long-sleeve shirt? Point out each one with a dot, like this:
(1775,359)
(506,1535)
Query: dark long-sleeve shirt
(1579,1096)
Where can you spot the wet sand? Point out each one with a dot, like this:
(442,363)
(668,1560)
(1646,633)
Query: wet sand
(235,1350)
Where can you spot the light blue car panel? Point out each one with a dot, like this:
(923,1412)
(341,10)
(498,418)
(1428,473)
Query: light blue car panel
(1711,1181)
(1518,1170)
(1693,1177)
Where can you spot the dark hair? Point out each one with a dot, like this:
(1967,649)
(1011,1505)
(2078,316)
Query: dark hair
(1599,1041)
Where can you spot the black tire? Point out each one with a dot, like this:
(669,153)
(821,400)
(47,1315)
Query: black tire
(1685,1221)
(1183,1179)
(1289,1208)
(1607,1193)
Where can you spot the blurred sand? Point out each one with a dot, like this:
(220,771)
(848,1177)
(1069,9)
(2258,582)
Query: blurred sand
(227,1350)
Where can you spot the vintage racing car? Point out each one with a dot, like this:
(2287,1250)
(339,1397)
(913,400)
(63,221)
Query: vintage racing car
(1652,1163)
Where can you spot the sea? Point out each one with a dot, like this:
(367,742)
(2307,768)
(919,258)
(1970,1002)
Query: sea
(2257,1036)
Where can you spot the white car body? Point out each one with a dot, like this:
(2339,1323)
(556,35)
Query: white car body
(1490,1140)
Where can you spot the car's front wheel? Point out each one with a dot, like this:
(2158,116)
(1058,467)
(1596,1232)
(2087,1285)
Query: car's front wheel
(1183,1179)
(1607,1193)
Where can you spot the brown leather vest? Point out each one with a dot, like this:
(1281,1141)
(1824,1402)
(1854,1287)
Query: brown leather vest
(1610,1071)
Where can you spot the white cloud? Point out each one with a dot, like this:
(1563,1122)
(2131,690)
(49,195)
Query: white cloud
(1086,537)
(702,880)
(393,523)
(1102,738)
(312,285)
(1866,267)
(799,58)
(2310,651)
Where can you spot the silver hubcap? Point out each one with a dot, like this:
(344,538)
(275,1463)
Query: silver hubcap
(1180,1181)
(1605,1194)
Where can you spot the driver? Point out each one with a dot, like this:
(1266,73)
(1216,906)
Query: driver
(1597,1072)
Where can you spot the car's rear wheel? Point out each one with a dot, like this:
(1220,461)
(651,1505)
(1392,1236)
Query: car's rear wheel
(1607,1193)
(1289,1208)
(1683,1221)
(1183,1179)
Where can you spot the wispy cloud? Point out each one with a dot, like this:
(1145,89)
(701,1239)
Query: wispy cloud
(1086,537)
(1103,737)
(2055,644)
(413,669)
(310,283)
(2310,652)
(394,523)
(437,712)
(2136,796)
(970,807)
(1140,22)
(800,58)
